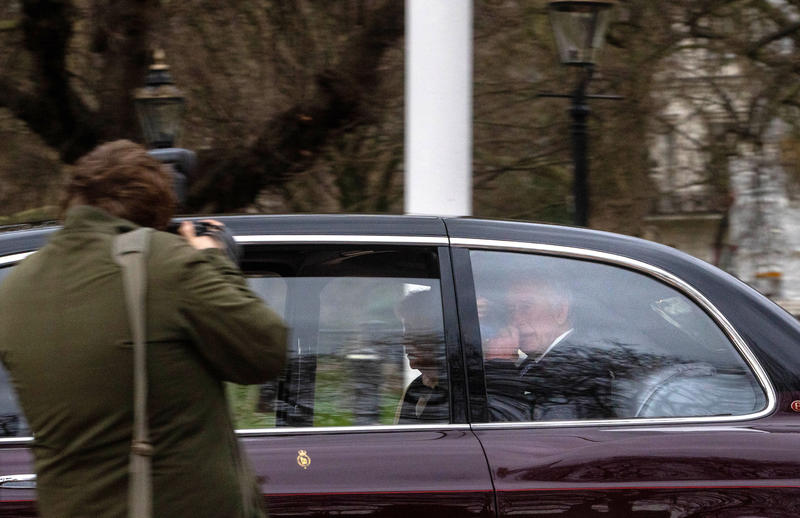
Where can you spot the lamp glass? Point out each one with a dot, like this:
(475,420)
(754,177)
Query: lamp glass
(580,30)
(160,118)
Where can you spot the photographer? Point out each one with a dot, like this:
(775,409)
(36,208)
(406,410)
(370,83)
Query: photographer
(66,341)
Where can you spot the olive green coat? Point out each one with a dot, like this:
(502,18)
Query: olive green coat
(65,339)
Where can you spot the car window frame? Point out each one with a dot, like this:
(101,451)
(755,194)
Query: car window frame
(455,358)
(460,248)
(458,393)
(12,259)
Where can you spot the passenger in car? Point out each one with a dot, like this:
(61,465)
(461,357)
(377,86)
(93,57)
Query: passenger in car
(426,397)
(542,365)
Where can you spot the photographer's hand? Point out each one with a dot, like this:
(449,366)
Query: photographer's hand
(200,242)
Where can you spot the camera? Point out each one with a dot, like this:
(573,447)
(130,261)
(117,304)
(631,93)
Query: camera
(220,233)
(181,163)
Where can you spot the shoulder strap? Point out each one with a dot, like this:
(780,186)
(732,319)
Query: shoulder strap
(129,251)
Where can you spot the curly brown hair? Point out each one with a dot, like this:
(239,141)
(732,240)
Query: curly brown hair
(122,179)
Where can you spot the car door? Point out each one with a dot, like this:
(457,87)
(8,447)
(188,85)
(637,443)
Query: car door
(646,403)
(333,436)
(350,428)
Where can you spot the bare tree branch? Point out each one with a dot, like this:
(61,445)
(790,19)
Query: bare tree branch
(292,140)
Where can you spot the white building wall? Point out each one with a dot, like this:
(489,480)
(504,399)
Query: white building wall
(698,91)
(765,222)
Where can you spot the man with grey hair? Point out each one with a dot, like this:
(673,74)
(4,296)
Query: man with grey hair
(540,366)
(538,312)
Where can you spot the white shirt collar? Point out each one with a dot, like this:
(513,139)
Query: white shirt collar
(523,356)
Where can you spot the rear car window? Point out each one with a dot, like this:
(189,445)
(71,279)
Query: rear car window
(367,339)
(366,345)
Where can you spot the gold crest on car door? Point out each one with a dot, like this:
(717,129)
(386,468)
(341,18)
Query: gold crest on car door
(303,460)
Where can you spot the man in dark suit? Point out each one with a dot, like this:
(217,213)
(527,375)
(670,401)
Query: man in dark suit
(540,366)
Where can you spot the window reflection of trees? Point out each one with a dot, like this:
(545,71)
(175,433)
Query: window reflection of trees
(635,348)
(615,381)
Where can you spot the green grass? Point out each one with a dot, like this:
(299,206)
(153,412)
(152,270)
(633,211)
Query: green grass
(243,401)
(333,399)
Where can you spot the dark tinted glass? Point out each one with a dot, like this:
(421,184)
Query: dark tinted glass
(12,421)
(567,339)
(367,340)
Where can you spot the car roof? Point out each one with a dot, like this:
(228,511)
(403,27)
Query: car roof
(33,237)
(456,228)
(26,239)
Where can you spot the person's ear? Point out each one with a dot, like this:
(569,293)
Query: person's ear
(562,313)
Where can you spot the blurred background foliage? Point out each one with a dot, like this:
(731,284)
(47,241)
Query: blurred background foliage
(297,105)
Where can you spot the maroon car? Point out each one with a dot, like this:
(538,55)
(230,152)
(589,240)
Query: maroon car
(471,368)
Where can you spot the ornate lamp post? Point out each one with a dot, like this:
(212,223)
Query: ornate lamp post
(159,106)
(579,27)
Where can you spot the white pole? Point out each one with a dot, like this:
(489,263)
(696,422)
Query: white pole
(438,113)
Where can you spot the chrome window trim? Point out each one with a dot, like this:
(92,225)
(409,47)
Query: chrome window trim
(634,423)
(18,482)
(13,258)
(341,239)
(256,432)
(662,275)
(348,429)
(16,440)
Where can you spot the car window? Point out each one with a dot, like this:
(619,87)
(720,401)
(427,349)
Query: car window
(249,402)
(568,339)
(12,421)
(366,344)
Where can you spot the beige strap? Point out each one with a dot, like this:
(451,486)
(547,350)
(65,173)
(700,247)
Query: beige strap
(129,251)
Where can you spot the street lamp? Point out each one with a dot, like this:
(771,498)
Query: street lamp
(579,27)
(159,105)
